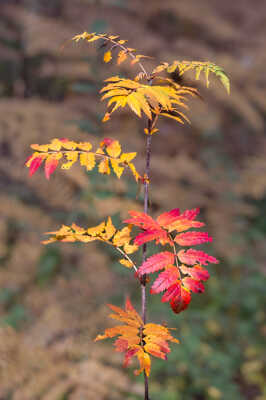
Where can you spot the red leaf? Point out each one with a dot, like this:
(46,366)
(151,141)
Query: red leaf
(35,164)
(165,279)
(181,302)
(121,345)
(129,354)
(192,238)
(196,272)
(50,166)
(156,262)
(149,235)
(193,285)
(191,257)
(172,292)
(169,217)
(182,224)
(190,214)
(142,220)
(107,141)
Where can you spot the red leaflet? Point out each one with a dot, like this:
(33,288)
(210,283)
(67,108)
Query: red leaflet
(190,214)
(191,257)
(35,164)
(168,218)
(121,345)
(50,166)
(193,285)
(181,302)
(129,354)
(192,238)
(156,262)
(107,141)
(196,272)
(159,235)
(165,279)
(142,220)
(182,224)
(173,291)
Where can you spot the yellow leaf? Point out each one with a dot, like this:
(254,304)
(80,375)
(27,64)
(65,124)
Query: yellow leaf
(130,248)
(134,171)
(122,237)
(96,230)
(127,157)
(126,263)
(40,147)
(118,170)
(72,157)
(114,149)
(134,104)
(106,117)
(109,229)
(85,146)
(55,145)
(115,92)
(68,144)
(88,160)
(104,167)
(145,363)
(122,56)
(107,56)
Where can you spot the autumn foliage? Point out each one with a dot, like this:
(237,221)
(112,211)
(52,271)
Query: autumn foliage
(181,269)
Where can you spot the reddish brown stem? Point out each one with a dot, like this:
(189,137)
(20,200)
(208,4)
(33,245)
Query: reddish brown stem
(146,206)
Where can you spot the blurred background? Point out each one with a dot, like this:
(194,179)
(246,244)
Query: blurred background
(52,299)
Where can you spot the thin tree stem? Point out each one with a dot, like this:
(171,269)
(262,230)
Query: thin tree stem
(146,207)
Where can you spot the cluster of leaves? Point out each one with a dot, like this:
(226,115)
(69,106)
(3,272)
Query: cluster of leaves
(152,100)
(115,43)
(104,232)
(183,270)
(138,339)
(199,66)
(109,153)
(179,280)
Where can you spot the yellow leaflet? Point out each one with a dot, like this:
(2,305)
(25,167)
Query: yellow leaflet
(122,56)
(134,104)
(78,229)
(114,149)
(88,160)
(127,157)
(55,145)
(95,37)
(144,361)
(40,147)
(173,117)
(115,92)
(72,158)
(130,248)
(104,167)
(134,171)
(122,237)
(106,117)
(96,230)
(109,229)
(144,105)
(85,146)
(118,170)
(126,263)
(107,56)
(85,238)
(69,145)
